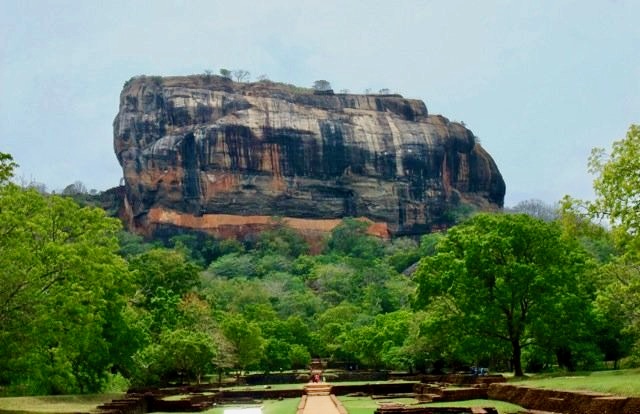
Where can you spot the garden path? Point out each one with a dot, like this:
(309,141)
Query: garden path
(320,404)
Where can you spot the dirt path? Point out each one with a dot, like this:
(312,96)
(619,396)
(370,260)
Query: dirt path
(320,404)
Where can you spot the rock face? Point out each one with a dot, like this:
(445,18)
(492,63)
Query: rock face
(207,153)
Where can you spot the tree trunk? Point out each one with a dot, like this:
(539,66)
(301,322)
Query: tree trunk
(517,358)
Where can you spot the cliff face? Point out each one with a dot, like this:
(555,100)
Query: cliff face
(210,154)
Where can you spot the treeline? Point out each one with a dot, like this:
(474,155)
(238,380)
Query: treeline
(86,306)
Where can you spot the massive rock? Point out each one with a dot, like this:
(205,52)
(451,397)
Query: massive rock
(206,153)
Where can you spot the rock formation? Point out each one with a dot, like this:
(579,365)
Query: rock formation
(207,153)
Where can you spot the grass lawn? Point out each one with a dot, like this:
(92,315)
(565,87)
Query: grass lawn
(365,405)
(624,382)
(54,404)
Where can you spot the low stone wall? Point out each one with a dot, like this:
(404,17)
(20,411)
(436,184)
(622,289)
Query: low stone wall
(462,379)
(565,402)
(304,376)
(435,410)
(259,394)
(191,403)
(131,404)
(461,394)
(434,392)
(276,378)
(340,376)
(302,404)
(374,389)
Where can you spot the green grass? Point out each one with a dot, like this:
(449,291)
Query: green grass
(365,405)
(54,404)
(624,382)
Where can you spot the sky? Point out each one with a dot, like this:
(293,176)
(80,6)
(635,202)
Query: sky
(540,82)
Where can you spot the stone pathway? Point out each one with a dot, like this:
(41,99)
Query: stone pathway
(319,400)
(320,404)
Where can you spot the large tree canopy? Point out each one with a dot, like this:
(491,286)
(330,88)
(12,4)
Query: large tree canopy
(617,184)
(61,292)
(617,188)
(505,278)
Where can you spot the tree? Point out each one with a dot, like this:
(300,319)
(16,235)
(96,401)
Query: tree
(235,265)
(241,75)
(245,338)
(617,185)
(321,85)
(63,291)
(187,354)
(276,355)
(225,73)
(200,247)
(76,188)
(507,278)
(617,189)
(350,238)
(299,356)
(402,253)
(379,344)
(283,240)
(165,269)
(536,208)
(7,166)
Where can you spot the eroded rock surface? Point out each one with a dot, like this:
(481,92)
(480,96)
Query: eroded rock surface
(201,149)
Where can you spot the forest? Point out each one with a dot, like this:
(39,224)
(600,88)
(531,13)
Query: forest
(87,307)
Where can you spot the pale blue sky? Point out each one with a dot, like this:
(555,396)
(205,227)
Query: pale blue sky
(540,82)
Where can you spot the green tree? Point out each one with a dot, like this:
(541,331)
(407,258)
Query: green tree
(350,238)
(617,184)
(618,327)
(63,293)
(165,269)
(199,247)
(299,356)
(235,265)
(617,189)
(334,326)
(402,253)
(187,354)
(379,344)
(276,355)
(506,278)
(282,240)
(246,339)
(7,166)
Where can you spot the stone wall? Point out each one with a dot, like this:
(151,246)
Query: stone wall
(566,402)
